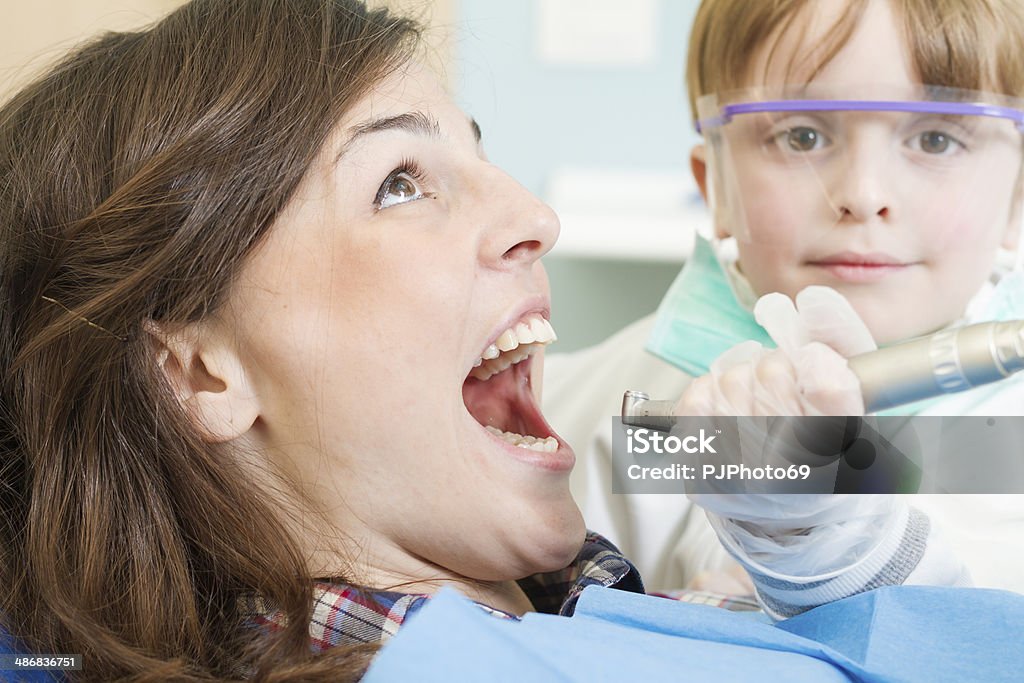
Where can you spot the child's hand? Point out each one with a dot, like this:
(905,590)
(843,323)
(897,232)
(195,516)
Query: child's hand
(806,375)
(821,314)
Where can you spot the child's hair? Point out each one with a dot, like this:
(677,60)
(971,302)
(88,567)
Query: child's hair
(136,177)
(967,44)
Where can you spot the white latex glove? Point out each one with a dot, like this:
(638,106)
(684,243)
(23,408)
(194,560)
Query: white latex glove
(806,375)
(821,314)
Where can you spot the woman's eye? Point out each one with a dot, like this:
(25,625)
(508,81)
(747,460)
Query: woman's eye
(935,142)
(803,139)
(399,188)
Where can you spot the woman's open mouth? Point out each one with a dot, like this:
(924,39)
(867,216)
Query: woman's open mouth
(498,393)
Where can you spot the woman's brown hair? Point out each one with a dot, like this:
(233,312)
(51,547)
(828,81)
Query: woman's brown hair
(135,178)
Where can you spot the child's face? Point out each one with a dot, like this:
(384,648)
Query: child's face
(904,218)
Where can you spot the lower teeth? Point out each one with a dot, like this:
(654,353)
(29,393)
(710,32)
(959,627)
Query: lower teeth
(548,445)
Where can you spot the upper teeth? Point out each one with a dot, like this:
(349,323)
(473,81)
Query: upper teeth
(513,345)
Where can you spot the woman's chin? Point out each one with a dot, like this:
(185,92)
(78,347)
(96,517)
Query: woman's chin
(560,543)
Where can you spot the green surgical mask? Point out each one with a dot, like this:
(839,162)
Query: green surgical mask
(1007,300)
(700,316)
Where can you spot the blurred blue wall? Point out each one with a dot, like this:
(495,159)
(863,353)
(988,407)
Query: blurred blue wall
(536,117)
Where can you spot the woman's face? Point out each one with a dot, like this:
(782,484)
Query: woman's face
(401,263)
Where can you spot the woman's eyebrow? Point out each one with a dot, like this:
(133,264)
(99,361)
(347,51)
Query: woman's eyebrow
(415,122)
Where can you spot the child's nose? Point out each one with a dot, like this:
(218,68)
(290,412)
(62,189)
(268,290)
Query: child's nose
(862,189)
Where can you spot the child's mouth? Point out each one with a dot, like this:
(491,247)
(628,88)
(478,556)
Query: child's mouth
(861,268)
(498,394)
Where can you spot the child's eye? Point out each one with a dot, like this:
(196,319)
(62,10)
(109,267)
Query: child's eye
(804,139)
(935,142)
(400,187)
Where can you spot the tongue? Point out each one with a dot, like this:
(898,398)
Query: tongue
(505,402)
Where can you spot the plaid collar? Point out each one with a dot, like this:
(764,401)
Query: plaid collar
(344,614)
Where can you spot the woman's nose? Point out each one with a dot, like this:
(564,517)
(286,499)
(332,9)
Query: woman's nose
(520,228)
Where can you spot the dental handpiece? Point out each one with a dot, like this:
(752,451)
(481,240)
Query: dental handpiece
(943,363)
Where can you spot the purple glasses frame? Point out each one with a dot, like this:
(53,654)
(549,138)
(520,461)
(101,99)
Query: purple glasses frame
(934,107)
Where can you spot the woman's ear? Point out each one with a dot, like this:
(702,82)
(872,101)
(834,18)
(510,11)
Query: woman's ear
(699,168)
(207,377)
